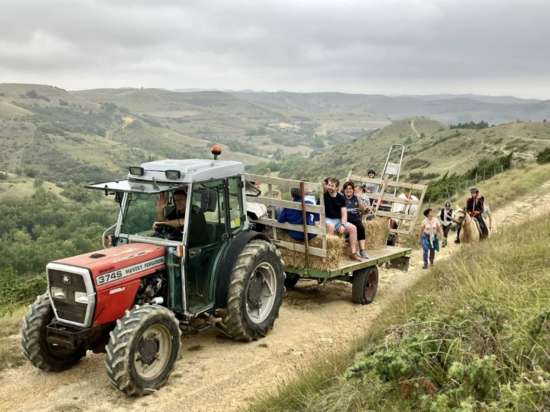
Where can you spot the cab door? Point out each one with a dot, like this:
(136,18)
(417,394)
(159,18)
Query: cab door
(207,232)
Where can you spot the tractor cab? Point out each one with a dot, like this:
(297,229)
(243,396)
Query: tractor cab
(192,207)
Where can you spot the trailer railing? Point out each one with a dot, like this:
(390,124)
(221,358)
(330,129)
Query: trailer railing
(402,210)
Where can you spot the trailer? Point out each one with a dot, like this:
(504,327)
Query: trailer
(363,275)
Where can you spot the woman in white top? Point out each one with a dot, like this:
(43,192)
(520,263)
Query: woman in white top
(431,228)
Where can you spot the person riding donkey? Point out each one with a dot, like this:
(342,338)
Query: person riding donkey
(475,206)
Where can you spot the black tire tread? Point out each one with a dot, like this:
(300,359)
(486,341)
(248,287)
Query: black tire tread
(117,362)
(360,279)
(39,315)
(234,324)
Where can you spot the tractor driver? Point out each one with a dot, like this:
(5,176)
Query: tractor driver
(176,218)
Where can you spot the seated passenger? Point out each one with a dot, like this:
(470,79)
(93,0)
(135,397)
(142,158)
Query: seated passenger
(337,216)
(295,217)
(361,193)
(405,207)
(372,187)
(355,208)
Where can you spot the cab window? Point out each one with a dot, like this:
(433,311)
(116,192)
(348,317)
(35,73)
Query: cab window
(207,223)
(235,203)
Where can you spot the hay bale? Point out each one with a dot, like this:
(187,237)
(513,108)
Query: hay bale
(336,250)
(377,231)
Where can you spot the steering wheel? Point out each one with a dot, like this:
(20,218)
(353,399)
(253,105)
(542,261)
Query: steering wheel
(166,231)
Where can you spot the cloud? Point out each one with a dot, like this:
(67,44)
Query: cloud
(395,46)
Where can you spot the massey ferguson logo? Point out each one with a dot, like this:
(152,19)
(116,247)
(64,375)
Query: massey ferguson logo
(127,271)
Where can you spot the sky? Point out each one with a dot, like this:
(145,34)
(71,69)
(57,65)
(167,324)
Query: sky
(494,47)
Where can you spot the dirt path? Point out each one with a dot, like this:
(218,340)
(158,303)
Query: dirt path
(218,374)
(413,127)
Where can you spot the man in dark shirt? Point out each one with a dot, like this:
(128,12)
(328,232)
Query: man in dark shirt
(176,218)
(295,217)
(475,208)
(337,216)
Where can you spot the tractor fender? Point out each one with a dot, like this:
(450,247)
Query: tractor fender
(228,259)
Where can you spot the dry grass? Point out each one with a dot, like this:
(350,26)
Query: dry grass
(10,352)
(512,184)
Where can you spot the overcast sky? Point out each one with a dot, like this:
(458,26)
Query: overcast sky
(498,47)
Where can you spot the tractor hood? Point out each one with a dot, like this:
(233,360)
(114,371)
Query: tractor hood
(117,265)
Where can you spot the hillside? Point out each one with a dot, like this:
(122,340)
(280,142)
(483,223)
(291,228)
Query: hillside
(61,136)
(444,108)
(432,149)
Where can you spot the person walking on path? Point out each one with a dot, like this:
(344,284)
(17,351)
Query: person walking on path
(446,219)
(429,240)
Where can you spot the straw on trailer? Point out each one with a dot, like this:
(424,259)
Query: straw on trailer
(377,231)
(336,252)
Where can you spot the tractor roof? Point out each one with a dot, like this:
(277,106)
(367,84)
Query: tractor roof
(190,170)
(162,175)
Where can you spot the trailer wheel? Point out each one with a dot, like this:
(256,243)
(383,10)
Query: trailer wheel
(143,349)
(44,355)
(291,280)
(255,291)
(365,285)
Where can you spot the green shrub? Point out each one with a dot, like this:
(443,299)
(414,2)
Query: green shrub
(544,156)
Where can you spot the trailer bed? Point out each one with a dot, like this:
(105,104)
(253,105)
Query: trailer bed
(376,257)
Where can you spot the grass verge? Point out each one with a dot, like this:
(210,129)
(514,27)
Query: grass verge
(472,335)
(511,185)
(10,352)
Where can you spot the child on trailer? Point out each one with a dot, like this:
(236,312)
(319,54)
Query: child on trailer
(431,228)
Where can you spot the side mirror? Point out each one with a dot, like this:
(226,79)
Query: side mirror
(252,190)
(118,197)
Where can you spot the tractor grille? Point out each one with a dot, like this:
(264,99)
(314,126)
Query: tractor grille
(68,309)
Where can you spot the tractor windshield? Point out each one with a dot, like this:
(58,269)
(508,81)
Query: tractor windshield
(141,213)
(159,215)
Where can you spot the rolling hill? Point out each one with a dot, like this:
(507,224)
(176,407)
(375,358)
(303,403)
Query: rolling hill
(61,135)
(432,149)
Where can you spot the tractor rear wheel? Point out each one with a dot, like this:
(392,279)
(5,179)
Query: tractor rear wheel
(143,349)
(365,285)
(36,348)
(255,292)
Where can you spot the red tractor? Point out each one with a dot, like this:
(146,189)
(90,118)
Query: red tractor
(182,256)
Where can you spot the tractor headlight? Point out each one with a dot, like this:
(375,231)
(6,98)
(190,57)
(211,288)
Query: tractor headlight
(58,293)
(81,297)
(172,174)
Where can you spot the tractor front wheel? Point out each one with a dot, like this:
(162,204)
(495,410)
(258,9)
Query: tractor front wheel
(42,354)
(255,291)
(143,349)
(365,285)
